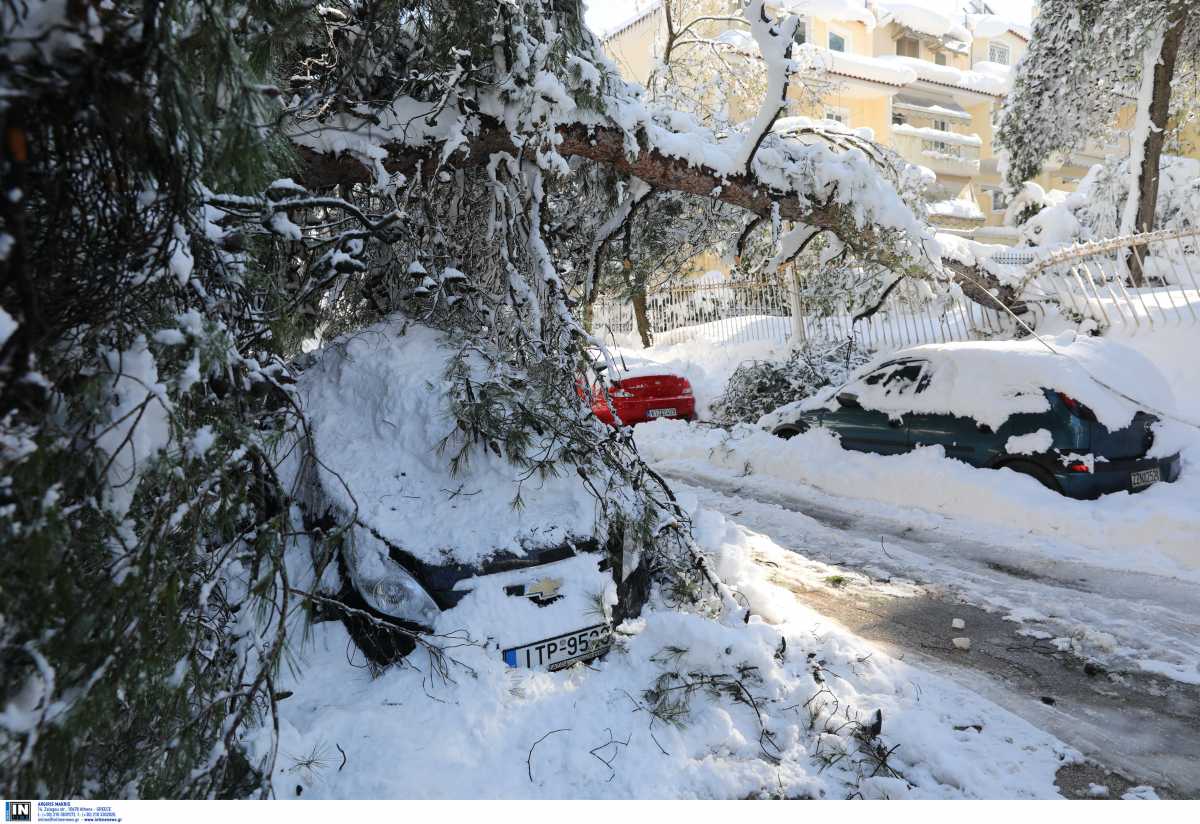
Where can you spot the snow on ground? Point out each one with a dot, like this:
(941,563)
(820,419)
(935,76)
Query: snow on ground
(1154,530)
(492,732)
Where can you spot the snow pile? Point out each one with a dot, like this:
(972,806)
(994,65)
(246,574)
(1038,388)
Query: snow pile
(990,381)
(378,408)
(790,692)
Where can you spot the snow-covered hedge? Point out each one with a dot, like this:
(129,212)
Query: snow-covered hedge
(758,387)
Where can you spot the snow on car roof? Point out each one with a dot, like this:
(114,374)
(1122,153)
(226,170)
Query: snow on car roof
(989,381)
(378,405)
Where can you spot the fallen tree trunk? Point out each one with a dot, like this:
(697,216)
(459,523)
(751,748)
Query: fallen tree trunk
(606,144)
(603,145)
(984,288)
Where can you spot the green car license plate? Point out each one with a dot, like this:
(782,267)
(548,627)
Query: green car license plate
(562,650)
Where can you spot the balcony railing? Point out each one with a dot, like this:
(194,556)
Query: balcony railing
(944,155)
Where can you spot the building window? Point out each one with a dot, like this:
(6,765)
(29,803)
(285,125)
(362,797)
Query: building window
(940,58)
(941,125)
(999,200)
(801,35)
(836,42)
(898,119)
(998,53)
(840,115)
(908,47)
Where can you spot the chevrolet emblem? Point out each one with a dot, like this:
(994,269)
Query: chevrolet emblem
(545,589)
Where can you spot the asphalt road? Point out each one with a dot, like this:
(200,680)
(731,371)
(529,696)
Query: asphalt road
(1136,727)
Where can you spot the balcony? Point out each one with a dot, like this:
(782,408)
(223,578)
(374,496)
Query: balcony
(946,153)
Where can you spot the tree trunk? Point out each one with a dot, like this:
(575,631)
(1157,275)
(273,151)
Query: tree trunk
(1160,106)
(589,310)
(639,315)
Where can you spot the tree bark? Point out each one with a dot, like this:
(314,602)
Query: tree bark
(1160,107)
(643,320)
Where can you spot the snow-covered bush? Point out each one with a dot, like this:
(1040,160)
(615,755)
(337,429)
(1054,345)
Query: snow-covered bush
(1093,211)
(758,387)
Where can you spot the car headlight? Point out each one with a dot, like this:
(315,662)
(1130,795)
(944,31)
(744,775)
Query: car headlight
(400,596)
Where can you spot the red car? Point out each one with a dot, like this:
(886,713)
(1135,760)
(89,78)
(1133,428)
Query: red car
(642,398)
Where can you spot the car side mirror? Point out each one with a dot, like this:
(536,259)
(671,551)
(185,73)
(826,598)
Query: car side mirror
(848,400)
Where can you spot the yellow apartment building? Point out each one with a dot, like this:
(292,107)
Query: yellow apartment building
(927,84)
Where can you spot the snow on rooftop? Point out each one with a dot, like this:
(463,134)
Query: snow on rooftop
(994,25)
(985,78)
(881,70)
(924,19)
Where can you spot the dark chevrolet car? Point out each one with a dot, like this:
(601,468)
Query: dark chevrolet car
(1064,447)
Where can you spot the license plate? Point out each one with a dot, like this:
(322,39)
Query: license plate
(1145,477)
(561,651)
(669,412)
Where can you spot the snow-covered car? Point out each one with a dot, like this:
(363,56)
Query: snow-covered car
(639,397)
(448,553)
(1014,405)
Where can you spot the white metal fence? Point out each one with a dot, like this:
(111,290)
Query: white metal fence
(739,312)
(1093,281)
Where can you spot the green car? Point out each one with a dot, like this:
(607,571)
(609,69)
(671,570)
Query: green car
(908,401)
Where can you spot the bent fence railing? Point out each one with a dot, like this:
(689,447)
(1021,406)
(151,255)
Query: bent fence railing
(1095,282)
